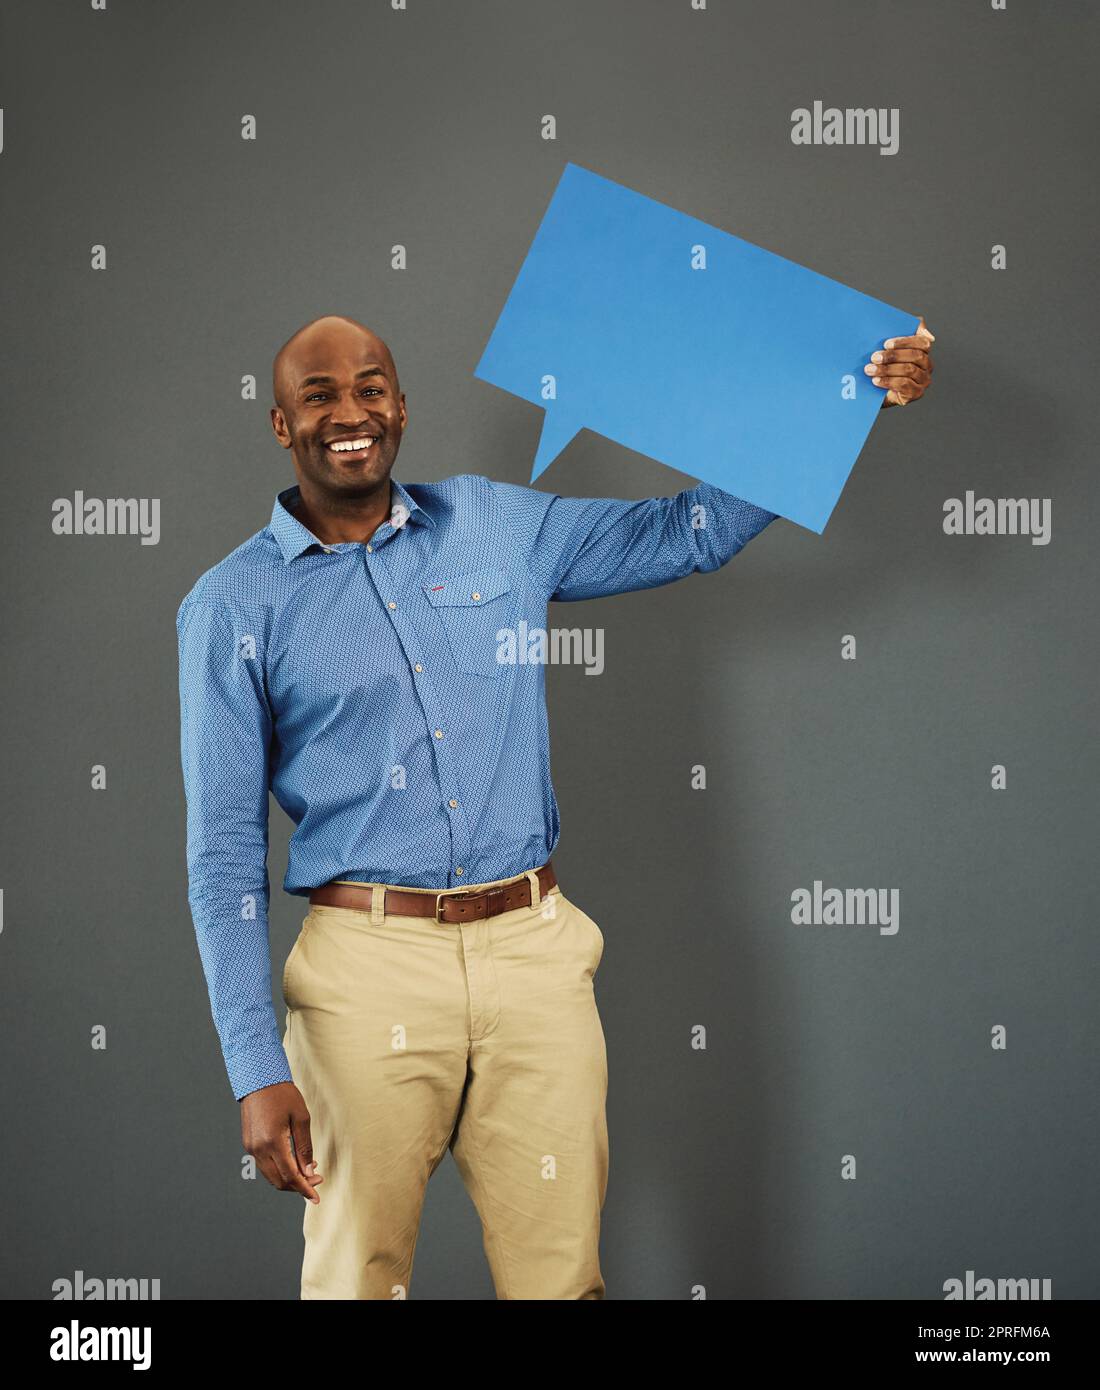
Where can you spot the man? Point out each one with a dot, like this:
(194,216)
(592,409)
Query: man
(439,994)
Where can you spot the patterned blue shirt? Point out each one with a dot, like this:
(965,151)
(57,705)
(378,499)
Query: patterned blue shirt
(360,683)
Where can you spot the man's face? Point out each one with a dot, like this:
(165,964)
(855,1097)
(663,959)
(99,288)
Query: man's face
(340,412)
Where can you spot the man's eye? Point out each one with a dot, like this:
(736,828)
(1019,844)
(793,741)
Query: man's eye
(321,395)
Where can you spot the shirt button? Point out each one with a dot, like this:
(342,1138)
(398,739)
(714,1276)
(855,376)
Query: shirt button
(391,604)
(452,804)
(370,549)
(475,596)
(418,667)
(460,871)
(439,733)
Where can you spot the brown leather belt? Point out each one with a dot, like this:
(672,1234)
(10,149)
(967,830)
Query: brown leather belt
(450,905)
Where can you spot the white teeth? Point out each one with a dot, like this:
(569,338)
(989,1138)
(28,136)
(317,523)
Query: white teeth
(345,446)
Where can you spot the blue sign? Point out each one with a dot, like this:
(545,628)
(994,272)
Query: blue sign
(687,344)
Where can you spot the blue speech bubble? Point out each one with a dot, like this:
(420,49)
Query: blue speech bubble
(689,345)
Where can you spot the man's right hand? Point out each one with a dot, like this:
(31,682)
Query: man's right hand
(275,1130)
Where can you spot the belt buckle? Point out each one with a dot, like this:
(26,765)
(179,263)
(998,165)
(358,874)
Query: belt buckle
(447,893)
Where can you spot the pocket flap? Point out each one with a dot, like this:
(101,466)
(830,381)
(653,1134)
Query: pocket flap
(467,590)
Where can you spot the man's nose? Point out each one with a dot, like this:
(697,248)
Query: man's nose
(350,410)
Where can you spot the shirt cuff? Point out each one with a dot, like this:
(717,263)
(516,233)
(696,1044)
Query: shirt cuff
(255,1067)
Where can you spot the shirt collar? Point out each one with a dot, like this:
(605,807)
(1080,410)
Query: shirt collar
(293,538)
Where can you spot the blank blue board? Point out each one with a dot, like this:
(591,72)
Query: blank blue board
(691,346)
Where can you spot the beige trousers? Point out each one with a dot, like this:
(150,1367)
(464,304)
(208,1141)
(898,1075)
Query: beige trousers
(407,1037)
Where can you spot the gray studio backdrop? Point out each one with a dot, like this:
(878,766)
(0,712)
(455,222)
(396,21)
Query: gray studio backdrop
(824,1044)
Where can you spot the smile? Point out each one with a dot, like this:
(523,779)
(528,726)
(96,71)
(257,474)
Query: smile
(353,446)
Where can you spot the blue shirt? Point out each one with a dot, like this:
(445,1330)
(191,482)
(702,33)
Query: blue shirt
(360,684)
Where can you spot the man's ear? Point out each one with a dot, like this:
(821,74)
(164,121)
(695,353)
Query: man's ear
(278,424)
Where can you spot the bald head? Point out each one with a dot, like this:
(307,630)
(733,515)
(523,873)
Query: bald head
(340,411)
(333,337)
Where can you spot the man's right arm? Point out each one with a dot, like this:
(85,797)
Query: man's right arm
(225,737)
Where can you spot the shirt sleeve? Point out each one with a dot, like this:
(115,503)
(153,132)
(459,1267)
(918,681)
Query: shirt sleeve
(588,547)
(225,737)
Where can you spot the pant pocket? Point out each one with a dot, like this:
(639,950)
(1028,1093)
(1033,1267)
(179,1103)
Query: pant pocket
(292,957)
(591,932)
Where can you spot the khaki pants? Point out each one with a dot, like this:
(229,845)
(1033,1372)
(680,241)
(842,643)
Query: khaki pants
(407,1037)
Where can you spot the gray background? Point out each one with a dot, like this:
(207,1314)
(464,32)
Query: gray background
(423,128)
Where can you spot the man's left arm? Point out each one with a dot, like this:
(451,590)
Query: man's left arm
(590,547)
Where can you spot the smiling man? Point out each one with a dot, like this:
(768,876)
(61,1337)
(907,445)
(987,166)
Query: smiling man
(439,994)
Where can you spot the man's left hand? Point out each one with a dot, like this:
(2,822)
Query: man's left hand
(902,367)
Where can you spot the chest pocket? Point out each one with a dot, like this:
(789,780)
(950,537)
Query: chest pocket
(472,608)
